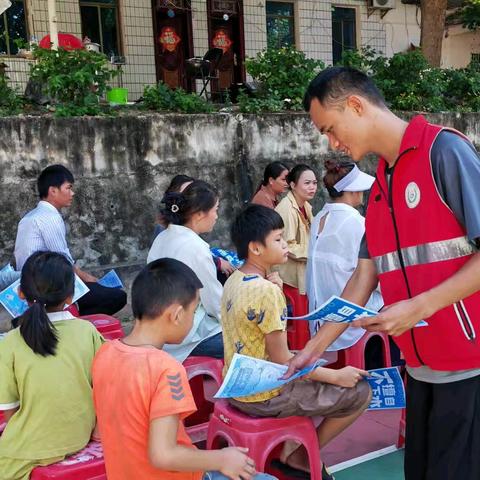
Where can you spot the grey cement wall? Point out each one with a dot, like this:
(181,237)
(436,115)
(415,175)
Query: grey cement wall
(122,165)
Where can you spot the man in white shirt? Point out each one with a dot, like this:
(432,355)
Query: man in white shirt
(43,229)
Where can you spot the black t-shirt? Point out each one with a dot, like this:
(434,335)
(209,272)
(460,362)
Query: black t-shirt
(456,170)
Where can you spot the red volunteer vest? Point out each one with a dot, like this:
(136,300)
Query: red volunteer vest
(416,243)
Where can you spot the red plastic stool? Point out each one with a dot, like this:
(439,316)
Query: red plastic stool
(73,309)
(401,430)
(3,423)
(355,355)
(298,331)
(196,367)
(262,435)
(110,327)
(87,464)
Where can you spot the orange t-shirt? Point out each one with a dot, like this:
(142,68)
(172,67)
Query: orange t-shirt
(131,387)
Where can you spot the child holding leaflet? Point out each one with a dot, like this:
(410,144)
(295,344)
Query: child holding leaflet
(141,409)
(253,321)
(45,381)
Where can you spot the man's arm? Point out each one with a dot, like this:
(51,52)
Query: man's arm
(85,276)
(358,290)
(404,315)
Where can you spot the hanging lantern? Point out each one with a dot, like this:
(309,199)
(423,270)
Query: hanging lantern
(225,17)
(170,13)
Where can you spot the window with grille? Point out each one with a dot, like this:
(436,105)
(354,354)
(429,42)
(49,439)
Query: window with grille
(280,24)
(344,31)
(100,24)
(13,28)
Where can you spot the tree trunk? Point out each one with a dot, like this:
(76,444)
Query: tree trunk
(432,29)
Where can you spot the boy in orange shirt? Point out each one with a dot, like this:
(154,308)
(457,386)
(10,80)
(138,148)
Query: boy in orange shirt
(142,395)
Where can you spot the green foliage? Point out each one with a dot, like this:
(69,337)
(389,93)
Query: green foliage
(10,102)
(282,75)
(408,82)
(74,80)
(470,14)
(163,98)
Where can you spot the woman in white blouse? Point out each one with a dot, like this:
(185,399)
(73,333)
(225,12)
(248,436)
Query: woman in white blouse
(188,215)
(335,237)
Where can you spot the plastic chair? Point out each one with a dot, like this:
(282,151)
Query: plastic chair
(355,355)
(298,331)
(87,464)
(3,423)
(262,435)
(198,367)
(401,429)
(110,327)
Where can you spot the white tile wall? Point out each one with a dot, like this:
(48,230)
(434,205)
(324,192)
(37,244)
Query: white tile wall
(313,31)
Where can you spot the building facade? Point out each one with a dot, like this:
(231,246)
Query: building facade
(156,37)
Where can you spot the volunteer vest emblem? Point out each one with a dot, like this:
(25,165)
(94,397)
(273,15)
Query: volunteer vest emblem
(412,195)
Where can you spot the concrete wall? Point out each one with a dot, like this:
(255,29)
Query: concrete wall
(122,165)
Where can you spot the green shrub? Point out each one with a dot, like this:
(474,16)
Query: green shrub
(282,76)
(163,98)
(74,80)
(10,102)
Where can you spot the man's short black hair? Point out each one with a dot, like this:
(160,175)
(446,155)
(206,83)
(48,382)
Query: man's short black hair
(333,85)
(160,284)
(53,176)
(253,224)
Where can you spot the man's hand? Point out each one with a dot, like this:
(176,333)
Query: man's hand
(84,276)
(237,465)
(226,267)
(396,318)
(274,277)
(302,359)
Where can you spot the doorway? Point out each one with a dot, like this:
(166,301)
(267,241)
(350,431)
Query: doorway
(225,31)
(173,42)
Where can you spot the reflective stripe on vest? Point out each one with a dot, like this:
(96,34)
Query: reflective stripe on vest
(425,253)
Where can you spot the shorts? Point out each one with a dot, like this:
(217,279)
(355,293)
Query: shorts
(306,398)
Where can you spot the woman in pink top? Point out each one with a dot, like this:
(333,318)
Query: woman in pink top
(273,185)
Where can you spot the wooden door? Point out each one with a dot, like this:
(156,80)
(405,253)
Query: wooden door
(226,32)
(173,45)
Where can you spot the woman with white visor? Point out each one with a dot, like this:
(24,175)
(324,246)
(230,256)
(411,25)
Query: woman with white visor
(335,239)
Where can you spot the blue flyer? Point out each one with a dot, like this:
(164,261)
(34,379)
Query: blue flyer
(387,387)
(15,306)
(228,255)
(248,376)
(111,280)
(338,310)
(7,268)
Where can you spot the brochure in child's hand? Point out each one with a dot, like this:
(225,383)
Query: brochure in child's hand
(249,376)
(15,306)
(387,389)
(338,310)
(228,255)
(111,280)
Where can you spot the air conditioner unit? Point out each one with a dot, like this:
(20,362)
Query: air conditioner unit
(383,4)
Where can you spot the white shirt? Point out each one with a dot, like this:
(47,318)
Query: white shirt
(183,244)
(332,258)
(41,229)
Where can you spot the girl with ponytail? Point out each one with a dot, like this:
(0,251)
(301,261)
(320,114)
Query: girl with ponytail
(45,363)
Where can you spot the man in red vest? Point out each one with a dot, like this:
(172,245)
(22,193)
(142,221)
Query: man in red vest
(422,232)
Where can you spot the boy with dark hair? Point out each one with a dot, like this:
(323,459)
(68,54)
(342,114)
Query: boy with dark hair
(421,244)
(43,229)
(253,320)
(140,410)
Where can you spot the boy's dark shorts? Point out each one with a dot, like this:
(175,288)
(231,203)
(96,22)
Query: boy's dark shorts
(307,398)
